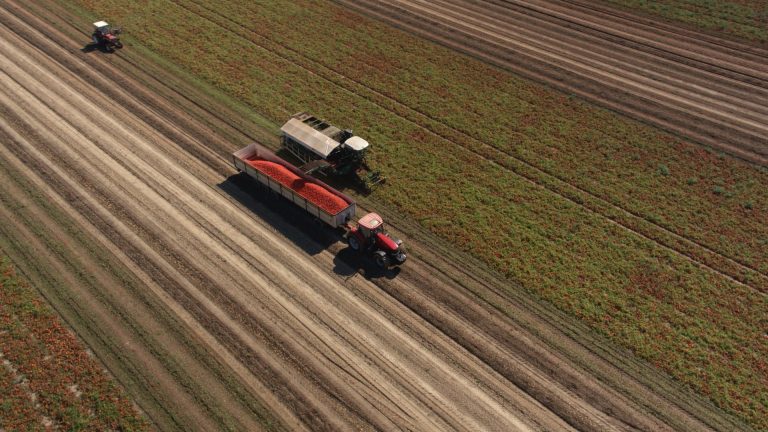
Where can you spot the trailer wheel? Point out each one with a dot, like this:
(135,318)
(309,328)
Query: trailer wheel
(354,242)
(382,260)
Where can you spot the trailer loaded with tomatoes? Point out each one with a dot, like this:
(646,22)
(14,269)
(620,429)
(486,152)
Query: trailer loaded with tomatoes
(321,201)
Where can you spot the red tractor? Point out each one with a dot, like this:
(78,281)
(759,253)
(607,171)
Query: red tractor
(369,236)
(106,37)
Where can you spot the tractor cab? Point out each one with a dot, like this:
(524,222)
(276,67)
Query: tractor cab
(370,236)
(106,36)
(101,27)
(351,152)
(370,224)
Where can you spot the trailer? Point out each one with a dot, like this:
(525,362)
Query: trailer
(321,201)
(295,185)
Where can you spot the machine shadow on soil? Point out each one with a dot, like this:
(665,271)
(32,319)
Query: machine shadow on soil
(91,47)
(348,263)
(305,232)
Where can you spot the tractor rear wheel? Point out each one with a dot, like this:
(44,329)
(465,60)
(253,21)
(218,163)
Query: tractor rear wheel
(382,260)
(353,242)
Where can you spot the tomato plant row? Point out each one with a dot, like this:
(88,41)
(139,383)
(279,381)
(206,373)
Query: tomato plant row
(63,387)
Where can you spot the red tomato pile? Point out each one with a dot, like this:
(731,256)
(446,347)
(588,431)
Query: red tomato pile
(314,193)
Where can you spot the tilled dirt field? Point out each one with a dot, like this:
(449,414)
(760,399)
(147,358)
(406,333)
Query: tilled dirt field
(219,306)
(701,87)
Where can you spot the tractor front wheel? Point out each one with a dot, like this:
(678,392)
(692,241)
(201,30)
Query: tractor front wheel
(382,260)
(353,242)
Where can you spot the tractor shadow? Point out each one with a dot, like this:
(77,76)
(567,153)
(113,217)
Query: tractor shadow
(306,232)
(348,263)
(91,47)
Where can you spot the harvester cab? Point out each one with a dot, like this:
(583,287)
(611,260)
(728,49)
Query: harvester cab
(106,36)
(369,236)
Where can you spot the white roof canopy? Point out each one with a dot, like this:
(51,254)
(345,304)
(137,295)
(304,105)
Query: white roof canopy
(98,24)
(314,140)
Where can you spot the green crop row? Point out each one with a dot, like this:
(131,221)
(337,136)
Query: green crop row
(746,19)
(71,389)
(17,412)
(584,208)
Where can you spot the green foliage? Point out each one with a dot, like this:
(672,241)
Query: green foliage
(742,18)
(48,360)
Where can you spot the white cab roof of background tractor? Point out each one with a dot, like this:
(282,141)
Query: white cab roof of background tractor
(100,24)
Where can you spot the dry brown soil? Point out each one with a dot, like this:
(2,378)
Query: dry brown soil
(219,306)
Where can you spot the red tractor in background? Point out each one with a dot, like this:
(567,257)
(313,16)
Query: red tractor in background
(369,236)
(106,37)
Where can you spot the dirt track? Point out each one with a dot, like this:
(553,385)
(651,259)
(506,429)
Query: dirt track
(701,87)
(236,309)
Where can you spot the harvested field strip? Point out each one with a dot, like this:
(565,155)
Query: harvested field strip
(64,387)
(617,281)
(177,352)
(85,313)
(207,415)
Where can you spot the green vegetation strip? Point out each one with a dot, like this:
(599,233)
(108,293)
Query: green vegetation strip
(606,218)
(746,19)
(70,389)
